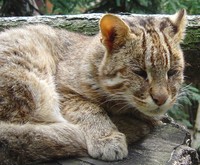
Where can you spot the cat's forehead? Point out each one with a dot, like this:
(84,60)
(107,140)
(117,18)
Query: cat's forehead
(153,48)
(149,23)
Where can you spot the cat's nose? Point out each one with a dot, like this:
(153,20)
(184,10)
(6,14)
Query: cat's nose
(159,95)
(159,99)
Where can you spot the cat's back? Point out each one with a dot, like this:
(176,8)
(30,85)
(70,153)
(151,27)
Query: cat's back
(33,41)
(39,45)
(39,40)
(24,36)
(28,60)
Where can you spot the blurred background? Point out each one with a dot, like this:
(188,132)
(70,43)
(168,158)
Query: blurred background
(187,108)
(44,7)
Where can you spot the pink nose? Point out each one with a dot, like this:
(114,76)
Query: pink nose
(159,98)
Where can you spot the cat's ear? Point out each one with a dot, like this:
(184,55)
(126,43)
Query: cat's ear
(114,31)
(179,21)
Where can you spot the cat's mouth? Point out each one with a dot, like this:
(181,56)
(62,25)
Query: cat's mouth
(154,110)
(157,111)
(149,107)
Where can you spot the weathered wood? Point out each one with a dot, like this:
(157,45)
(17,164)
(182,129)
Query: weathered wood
(85,23)
(88,24)
(165,145)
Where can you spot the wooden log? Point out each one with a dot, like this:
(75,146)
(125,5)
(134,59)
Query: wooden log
(165,145)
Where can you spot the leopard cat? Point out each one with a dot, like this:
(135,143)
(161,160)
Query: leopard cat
(64,94)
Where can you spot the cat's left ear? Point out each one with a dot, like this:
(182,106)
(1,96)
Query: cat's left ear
(179,21)
(114,31)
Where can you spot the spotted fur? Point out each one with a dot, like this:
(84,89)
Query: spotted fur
(64,94)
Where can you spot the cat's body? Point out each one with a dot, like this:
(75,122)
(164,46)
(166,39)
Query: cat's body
(64,94)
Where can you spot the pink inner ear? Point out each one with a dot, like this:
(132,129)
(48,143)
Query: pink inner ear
(113,31)
(108,32)
(107,28)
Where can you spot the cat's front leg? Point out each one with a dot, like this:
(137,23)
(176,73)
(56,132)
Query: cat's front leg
(103,139)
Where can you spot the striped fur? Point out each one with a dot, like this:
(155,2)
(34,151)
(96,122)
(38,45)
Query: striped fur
(152,63)
(64,94)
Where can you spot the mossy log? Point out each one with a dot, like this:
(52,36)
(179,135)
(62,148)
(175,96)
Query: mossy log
(88,24)
(168,144)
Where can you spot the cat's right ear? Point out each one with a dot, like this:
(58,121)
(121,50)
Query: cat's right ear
(114,31)
(179,21)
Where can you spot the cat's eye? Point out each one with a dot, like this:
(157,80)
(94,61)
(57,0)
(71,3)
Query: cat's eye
(142,73)
(172,72)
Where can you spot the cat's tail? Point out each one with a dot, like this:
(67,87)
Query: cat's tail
(24,144)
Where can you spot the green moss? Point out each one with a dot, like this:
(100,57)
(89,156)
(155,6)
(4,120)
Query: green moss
(192,39)
(81,26)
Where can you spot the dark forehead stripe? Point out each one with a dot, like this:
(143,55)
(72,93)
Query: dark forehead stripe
(139,30)
(156,46)
(159,45)
(167,43)
(152,56)
(152,30)
(156,37)
(144,42)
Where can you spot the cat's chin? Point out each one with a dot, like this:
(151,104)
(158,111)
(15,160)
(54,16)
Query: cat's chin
(155,112)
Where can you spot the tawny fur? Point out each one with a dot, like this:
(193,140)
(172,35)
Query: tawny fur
(64,94)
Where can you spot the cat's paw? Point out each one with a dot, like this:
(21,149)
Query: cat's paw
(111,148)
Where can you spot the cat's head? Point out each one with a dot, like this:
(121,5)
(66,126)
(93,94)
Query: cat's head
(143,63)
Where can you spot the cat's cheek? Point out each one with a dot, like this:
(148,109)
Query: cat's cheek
(176,81)
(173,89)
(145,106)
